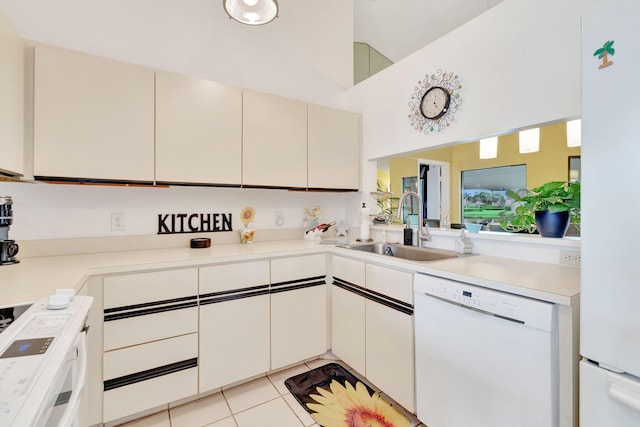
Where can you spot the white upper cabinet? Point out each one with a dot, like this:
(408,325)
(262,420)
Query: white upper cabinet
(274,141)
(11,101)
(93,117)
(198,131)
(334,148)
(96,119)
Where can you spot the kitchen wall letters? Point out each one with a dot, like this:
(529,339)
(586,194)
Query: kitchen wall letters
(193,223)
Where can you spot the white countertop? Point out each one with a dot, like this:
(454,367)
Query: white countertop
(37,277)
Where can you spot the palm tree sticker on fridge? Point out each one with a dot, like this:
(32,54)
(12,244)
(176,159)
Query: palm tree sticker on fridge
(604,52)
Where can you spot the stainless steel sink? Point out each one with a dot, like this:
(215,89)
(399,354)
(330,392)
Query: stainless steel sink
(405,252)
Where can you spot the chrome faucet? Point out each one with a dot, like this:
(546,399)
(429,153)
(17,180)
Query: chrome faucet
(423,232)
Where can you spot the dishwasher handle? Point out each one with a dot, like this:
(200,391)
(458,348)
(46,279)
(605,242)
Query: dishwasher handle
(472,308)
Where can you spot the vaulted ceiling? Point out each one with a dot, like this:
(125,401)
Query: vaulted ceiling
(397,28)
(306,53)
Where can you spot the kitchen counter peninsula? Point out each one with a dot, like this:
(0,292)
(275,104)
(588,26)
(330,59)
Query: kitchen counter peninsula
(37,277)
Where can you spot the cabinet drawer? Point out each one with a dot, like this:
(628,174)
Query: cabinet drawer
(144,288)
(393,283)
(296,268)
(218,278)
(348,270)
(149,327)
(123,401)
(134,360)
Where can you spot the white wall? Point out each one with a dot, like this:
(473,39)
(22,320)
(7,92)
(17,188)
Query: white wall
(51,211)
(519,64)
(306,54)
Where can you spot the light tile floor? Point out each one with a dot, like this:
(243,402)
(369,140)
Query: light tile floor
(263,402)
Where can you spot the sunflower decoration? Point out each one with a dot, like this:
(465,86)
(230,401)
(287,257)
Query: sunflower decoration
(346,406)
(247,214)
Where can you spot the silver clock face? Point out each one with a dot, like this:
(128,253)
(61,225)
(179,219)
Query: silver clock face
(435,103)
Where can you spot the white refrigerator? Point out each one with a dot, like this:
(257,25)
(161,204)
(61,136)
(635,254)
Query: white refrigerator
(610,289)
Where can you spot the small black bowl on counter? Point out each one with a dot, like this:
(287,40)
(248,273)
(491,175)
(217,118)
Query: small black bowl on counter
(200,242)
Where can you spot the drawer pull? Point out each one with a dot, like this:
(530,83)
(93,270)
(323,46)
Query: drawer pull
(150,373)
(126,312)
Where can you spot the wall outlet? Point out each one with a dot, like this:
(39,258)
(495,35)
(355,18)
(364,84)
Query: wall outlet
(117,221)
(570,258)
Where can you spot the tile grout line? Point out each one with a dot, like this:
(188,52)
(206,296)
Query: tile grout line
(226,401)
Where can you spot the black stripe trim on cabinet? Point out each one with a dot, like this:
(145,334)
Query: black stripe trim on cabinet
(150,310)
(150,373)
(233,294)
(298,280)
(297,284)
(148,304)
(374,296)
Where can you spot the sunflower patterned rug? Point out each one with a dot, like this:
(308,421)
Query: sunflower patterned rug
(336,398)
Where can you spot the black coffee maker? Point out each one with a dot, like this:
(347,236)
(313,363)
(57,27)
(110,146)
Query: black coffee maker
(8,248)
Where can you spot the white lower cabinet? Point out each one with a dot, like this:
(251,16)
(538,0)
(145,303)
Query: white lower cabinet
(171,334)
(150,340)
(372,325)
(348,312)
(234,323)
(298,309)
(148,375)
(389,336)
(348,327)
(389,350)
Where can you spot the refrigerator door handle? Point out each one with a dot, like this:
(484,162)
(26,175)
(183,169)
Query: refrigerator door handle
(625,391)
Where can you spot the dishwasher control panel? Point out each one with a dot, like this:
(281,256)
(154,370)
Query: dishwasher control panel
(513,307)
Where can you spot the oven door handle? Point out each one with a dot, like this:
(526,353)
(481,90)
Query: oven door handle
(71,411)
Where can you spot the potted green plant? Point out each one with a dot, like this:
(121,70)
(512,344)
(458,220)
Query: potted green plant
(548,209)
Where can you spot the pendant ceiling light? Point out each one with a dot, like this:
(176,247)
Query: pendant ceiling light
(251,12)
(529,140)
(489,148)
(574,134)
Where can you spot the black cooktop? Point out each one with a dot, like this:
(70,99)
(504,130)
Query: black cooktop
(8,315)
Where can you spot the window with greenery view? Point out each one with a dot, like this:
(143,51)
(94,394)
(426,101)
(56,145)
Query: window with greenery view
(484,191)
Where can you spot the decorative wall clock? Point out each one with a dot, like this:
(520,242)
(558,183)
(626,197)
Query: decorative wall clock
(435,101)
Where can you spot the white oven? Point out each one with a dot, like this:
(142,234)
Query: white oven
(43,363)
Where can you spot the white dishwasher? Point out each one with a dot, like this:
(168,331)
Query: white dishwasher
(483,358)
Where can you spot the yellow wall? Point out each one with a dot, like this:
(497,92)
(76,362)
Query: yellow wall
(551,163)
(384,180)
